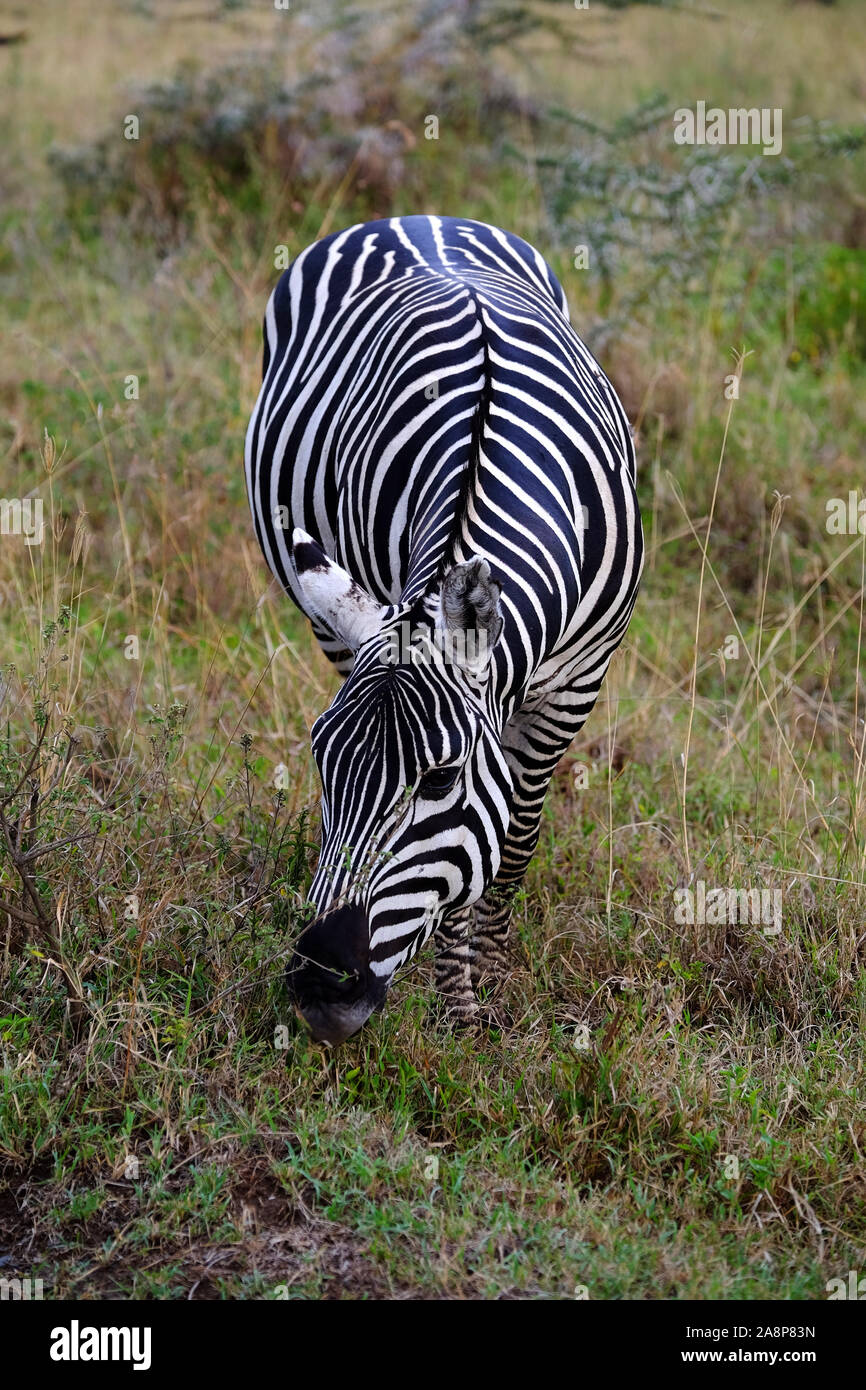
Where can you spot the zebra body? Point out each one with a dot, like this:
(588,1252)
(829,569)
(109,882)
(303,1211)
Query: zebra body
(434,451)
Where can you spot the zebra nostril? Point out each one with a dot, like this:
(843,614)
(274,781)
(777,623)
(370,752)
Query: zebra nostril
(334,951)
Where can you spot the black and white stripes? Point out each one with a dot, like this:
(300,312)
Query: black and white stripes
(435,454)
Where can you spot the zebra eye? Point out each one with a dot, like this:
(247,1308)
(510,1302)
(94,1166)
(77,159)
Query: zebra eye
(438,782)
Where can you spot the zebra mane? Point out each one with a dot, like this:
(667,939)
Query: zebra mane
(468,479)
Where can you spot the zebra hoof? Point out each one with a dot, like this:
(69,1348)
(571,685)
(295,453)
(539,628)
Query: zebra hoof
(456,1015)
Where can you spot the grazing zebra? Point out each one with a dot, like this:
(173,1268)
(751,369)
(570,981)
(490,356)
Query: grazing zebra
(443,479)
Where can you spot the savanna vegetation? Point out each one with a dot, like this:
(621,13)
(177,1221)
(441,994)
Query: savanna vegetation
(659,1109)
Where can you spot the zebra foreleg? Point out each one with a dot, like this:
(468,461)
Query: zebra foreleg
(453,968)
(488,945)
(489,940)
(534,743)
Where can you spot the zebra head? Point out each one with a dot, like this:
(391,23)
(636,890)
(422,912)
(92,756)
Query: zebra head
(415,787)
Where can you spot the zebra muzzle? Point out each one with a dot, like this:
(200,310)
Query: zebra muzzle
(333,989)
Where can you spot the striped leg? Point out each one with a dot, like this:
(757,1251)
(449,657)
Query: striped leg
(489,941)
(534,743)
(452,967)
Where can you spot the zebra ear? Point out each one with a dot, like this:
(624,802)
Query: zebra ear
(469,608)
(331,594)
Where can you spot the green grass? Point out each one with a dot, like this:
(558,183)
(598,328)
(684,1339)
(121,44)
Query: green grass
(661,1110)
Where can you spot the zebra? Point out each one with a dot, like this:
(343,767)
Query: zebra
(442,478)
